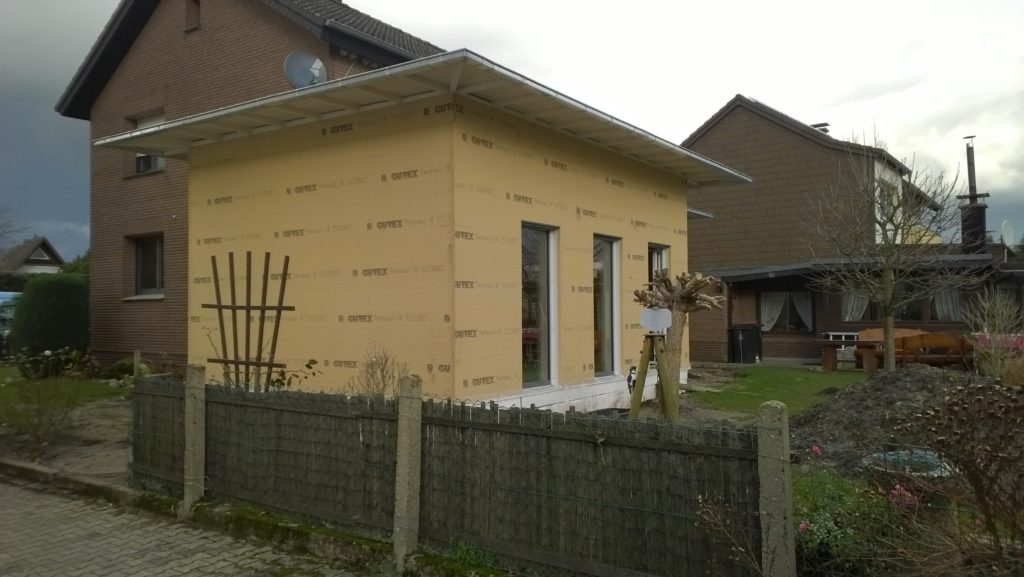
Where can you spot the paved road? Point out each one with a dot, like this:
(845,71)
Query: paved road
(51,535)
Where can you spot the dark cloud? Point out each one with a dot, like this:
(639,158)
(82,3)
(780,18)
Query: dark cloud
(44,158)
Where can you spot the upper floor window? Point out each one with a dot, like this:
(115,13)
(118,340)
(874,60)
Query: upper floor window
(146,163)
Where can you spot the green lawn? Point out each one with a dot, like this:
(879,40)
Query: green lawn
(81,391)
(799,388)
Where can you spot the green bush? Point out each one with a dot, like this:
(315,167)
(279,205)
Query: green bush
(52,313)
(844,525)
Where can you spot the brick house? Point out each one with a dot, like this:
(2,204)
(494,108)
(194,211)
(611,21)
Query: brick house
(158,61)
(756,242)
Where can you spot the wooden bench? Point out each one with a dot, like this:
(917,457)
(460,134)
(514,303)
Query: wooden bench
(870,356)
(937,349)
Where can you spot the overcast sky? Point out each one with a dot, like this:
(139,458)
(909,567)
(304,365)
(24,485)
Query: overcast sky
(920,75)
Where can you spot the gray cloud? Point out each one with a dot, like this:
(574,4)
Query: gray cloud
(876,90)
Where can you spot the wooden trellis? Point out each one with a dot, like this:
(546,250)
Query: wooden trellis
(241,368)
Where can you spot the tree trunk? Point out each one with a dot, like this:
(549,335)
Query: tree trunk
(889,340)
(674,344)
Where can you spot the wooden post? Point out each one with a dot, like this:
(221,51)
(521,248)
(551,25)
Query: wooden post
(137,364)
(641,376)
(775,487)
(405,536)
(669,383)
(195,439)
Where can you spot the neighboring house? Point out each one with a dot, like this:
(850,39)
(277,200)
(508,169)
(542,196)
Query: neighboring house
(32,256)
(159,61)
(486,229)
(757,244)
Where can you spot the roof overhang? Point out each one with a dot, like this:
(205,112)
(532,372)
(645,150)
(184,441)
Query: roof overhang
(460,73)
(806,268)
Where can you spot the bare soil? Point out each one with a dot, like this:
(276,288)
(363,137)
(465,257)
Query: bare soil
(96,444)
(861,419)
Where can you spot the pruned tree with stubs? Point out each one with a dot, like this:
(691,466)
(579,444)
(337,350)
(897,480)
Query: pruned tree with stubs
(682,294)
(886,236)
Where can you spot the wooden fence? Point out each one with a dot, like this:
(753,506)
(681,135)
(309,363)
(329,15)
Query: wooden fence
(599,496)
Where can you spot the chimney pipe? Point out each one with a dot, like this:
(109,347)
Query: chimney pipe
(972,214)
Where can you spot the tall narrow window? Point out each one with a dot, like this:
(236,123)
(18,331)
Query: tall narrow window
(149,265)
(604,306)
(145,163)
(657,259)
(536,306)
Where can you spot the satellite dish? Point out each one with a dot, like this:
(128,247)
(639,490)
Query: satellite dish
(303,69)
(1009,238)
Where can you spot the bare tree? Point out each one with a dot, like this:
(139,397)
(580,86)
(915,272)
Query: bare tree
(9,229)
(887,235)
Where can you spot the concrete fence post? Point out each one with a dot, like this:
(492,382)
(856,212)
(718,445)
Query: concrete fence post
(137,363)
(778,540)
(195,439)
(407,470)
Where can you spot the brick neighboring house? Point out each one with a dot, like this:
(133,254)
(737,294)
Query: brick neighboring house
(156,61)
(756,242)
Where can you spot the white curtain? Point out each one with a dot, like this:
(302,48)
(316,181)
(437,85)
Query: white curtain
(947,305)
(771,307)
(802,304)
(854,306)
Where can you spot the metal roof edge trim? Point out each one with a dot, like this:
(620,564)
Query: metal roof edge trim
(410,67)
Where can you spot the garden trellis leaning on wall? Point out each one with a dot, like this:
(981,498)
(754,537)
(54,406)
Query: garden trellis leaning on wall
(602,496)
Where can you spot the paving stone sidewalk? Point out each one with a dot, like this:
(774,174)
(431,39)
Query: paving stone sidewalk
(49,535)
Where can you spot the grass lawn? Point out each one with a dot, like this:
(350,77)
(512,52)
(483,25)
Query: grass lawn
(80,391)
(799,388)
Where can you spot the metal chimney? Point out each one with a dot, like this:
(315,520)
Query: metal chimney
(972,213)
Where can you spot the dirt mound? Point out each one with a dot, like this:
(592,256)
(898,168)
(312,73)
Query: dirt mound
(860,420)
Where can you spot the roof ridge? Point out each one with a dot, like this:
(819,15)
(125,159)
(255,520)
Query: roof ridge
(772,114)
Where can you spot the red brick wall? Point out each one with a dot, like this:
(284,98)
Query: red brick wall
(235,55)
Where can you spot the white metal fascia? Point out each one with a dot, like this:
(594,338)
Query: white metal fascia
(439,74)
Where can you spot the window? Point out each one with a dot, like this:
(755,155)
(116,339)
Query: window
(147,163)
(604,306)
(944,306)
(786,312)
(192,14)
(536,337)
(657,259)
(149,265)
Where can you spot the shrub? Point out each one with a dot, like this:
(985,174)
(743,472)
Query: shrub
(979,430)
(378,374)
(40,409)
(993,316)
(843,525)
(52,313)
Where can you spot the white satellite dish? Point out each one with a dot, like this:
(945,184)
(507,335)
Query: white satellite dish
(1009,237)
(304,69)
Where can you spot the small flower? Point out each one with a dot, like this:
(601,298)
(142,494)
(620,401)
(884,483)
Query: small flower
(47,353)
(902,498)
(815,450)
(804,526)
